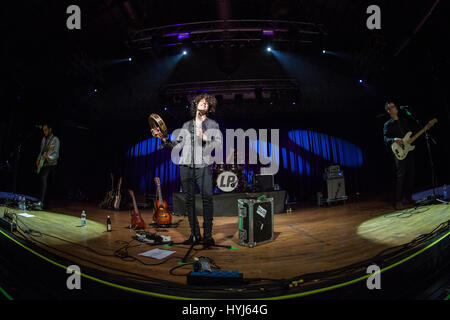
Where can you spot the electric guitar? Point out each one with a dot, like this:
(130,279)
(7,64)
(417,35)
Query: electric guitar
(136,218)
(161,213)
(42,159)
(401,150)
(118,196)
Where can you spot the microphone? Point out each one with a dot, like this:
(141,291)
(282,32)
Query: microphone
(406,108)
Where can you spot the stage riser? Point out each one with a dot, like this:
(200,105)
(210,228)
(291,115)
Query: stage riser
(225,204)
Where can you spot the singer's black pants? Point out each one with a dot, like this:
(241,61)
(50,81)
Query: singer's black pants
(203,178)
(47,173)
(404,177)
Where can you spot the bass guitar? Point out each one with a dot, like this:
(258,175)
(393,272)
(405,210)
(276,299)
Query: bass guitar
(136,218)
(118,196)
(401,150)
(161,213)
(42,159)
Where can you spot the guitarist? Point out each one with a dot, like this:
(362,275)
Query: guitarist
(394,130)
(50,153)
(203,106)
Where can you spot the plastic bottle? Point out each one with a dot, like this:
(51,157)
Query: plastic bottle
(83,218)
(22,204)
(108,224)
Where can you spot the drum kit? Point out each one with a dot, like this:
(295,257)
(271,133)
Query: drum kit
(238,170)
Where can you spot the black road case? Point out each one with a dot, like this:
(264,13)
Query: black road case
(255,221)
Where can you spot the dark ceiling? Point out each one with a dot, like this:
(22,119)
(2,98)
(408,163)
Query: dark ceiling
(36,36)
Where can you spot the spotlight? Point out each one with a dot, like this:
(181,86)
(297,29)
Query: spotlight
(95,90)
(269,49)
(187,107)
(360,81)
(165,108)
(130,59)
(293,102)
(185,52)
(324,51)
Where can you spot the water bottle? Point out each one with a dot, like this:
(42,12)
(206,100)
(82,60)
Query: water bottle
(445,192)
(83,218)
(108,224)
(22,204)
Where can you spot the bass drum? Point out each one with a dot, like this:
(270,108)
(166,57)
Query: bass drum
(217,170)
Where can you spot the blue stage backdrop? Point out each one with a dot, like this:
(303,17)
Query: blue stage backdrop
(302,158)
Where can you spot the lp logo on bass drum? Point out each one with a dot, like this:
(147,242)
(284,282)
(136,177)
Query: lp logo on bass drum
(227,181)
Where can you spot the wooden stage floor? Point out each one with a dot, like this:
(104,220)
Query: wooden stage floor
(308,240)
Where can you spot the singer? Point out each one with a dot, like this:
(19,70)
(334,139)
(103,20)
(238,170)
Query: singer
(394,129)
(202,106)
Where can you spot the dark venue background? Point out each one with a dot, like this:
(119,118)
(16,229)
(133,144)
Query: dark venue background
(82,80)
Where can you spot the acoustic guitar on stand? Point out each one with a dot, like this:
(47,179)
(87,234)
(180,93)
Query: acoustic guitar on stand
(109,197)
(136,218)
(161,214)
(401,150)
(118,196)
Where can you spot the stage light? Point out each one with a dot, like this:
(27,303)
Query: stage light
(183,35)
(130,59)
(360,81)
(95,90)
(187,107)
(293,102)
(324,51)
(269,49)
(185,52)
(165,108)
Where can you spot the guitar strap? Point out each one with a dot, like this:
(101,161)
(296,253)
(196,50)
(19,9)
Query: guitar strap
(47,145)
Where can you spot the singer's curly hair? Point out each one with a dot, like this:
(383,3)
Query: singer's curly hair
(211,100)
(386,105)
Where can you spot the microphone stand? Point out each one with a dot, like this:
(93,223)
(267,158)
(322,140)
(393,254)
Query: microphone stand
(17,153)
(194,217)
(434,198)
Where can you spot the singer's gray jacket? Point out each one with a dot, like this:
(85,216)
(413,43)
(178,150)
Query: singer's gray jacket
(182,141)
(46,143)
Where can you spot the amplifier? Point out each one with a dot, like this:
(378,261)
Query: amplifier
(336,189)
(263,182)
(255,221)
(333,172)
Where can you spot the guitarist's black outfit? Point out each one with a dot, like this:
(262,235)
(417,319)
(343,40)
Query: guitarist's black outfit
(404,169)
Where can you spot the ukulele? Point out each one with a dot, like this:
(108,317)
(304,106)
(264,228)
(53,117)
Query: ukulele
(118,196)
(161,213)
(136,218)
